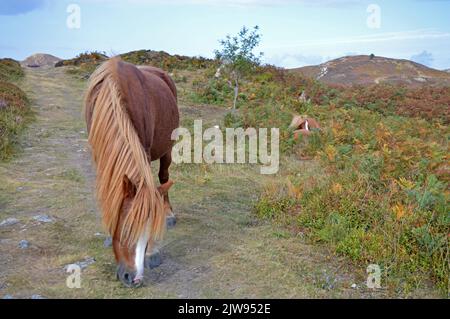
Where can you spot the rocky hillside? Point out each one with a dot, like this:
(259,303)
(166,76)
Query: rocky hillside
(365,70)
(39,60)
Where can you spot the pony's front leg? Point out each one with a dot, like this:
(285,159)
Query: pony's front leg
(153,257)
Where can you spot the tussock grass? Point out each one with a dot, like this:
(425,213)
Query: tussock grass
(379,194)
(10,70)
(14,107)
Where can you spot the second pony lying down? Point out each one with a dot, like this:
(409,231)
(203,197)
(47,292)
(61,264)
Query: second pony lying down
(303,125)
(130,115)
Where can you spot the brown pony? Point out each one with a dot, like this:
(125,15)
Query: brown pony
(303,125)
(130,114)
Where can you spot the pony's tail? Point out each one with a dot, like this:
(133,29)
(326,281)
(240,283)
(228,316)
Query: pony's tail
(119,155)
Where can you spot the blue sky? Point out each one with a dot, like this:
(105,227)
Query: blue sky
(295,32)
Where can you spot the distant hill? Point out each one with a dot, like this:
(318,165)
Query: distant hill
(85,63)
(40,59)
(147,57)
(93,57)
(365,70)
(165,60)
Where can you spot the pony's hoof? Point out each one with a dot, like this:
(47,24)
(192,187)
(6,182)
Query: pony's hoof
(126,277)
(171,221)
(138,283)
(154,260)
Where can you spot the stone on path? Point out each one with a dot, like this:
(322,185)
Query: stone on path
(43,219)
(24,244)
(83,263)
(107,242)
(9,222)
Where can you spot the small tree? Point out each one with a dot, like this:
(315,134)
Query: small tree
(237,56)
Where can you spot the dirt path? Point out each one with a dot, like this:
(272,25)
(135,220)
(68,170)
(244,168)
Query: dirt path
(217,249)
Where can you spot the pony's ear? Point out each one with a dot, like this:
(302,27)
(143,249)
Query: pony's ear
(164,188)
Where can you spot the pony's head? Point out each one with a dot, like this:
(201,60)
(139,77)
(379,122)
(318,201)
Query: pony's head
(130,258)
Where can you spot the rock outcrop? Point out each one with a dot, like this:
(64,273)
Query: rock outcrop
(40,60)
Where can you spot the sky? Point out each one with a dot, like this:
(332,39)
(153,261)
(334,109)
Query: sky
(294,32)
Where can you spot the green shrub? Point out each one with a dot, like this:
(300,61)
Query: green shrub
(14,116)
(10,70)
(233,119)
(214,92)
(166,61)
(93,58)
(377,197)
(84,64)
(382,193)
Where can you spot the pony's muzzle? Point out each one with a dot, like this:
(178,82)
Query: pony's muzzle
(128,277)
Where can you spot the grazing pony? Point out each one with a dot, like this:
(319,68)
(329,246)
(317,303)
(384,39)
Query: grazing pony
(130,115)
(303,125)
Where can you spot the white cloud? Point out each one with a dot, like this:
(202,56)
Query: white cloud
(288,60)
(425,58)
(372,38)
(241,3)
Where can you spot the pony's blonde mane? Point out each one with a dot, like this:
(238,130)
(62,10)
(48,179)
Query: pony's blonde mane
(119,154)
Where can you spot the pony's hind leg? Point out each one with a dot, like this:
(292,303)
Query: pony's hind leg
(164,164)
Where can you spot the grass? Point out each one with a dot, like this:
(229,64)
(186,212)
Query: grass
(10,70)
(84,64)
(15,111)
(377,188)
(166,61)
(71,174)
(380,191)
(218,248)
(378,196)
(375,192)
